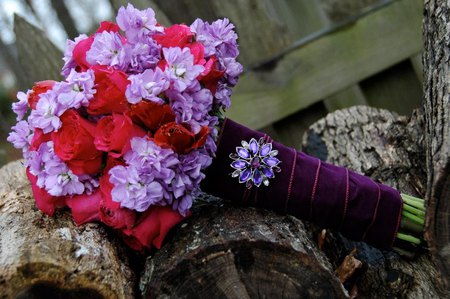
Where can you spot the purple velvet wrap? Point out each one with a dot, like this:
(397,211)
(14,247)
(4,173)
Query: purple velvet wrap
(327,195)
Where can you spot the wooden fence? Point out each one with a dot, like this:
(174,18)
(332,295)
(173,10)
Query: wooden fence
(303,58)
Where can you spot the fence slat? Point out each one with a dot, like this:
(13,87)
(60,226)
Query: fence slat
(39,58)
(329,64)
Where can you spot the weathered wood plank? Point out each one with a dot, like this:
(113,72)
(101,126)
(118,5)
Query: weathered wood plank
(38,57)
(345,98)
(397,89)
(261,33)
(329,64)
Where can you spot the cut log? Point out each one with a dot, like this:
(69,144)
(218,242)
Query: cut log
(49,257)
(436,62)
(390,149)
(228,252)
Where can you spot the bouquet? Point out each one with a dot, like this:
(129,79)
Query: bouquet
(137,124)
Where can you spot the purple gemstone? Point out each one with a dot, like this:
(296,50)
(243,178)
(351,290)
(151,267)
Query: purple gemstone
(243,153)
(256,162)
(254,147)
(271,161)
(265,149)
(257,178)
(268,172)
(239,164)
(245,175)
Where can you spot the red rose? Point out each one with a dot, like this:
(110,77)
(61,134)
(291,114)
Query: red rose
(85,208)
(74,143)
(38,89)
(110,97)
(38,138)
(111,213)
(179,138)
(211,75)
(44,201)
(151,115)
(113,134)
(174,36)
(151,228)
(108,26)
(79,53)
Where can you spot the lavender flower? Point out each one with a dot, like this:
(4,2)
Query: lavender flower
(78,91)
(20,107)
(20,136)
(186,183)
(140,184)
(137,24)
(218,38)
(142,56)
(181,69)
(147,85)
(107,49)
(69,63)
(132,190)
(52,173)
(222,97)
(47,112)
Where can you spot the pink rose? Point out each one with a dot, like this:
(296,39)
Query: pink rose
(44,201)
(114,132)
(110,97)
(74,144)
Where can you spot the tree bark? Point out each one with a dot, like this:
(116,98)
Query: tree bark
(228,252)
(390,149)
(436,61)
(49,257)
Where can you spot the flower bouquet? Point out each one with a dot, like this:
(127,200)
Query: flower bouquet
(137,124)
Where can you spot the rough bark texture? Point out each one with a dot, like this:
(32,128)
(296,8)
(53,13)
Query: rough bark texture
(436,60)
(390,149)
(229,252)
(49,257)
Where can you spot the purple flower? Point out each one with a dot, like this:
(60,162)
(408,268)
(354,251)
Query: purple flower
(180,69)
(20,135)
(21,107)
(142,56)
(47,112)
(222,97)
(232,70)
(78,91)
(255,163)
(52,173)
(151,159)
(186,183)
(147,85)
(69,63)
(132,190)
(218,38)
(107,49)
(137,24)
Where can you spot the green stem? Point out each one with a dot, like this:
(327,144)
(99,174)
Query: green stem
(413,217)
(413,201)
(409,238)
(412,226)
(413,210)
